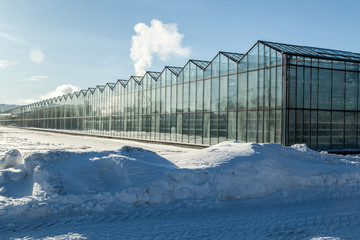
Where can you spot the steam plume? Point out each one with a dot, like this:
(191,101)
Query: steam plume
(161,39)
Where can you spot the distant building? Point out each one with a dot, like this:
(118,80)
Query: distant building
(275,92)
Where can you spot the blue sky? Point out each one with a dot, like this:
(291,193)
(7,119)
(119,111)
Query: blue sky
(47,44)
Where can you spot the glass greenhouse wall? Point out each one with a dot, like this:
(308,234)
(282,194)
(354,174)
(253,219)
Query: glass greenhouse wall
(274,93)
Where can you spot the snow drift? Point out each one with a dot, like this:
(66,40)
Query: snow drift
(71,182)
(11,159)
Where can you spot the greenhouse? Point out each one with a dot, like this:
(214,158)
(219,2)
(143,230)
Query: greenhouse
(277,93)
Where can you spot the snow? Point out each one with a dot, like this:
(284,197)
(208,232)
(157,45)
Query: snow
(56,186)
(12,158)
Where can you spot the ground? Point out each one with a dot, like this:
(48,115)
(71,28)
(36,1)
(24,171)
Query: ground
(76,187)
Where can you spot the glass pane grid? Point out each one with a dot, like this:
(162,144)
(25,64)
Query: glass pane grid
(174,70)
(201,64)
(154,75)
(100,87)
(241,99)
(111,85)
(314,51)
(123,82)
(233,56)
(137,79)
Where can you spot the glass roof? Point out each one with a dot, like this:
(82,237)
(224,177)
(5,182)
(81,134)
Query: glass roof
(111,85)
(314,51)
(201,64)
(174,70)
(123,82)
(101,87)
(233,56)
(137,79)
(154,75)
(92,90)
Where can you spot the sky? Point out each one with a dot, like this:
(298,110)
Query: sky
(51,47)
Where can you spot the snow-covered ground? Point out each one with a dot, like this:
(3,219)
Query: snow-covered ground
(56,186)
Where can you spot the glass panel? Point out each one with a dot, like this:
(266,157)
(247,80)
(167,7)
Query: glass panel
(207,96)
(299,127)
(252,126)
(266,57)
(242,66)
(206,126)
(291,127)
(192,72)
(223,99)
(307,87)
(261,56)
(261,89)
(242,126)
(324,88)
(351,90)
(267,87)
(338,90)
(186,96)
(350,130)
(215,67)
(242,91)
(192,122)
(324,130)
(231,126)
(314,87)
(252,90)
(179,124)
(338,65)
(253,58)
(266,127)
(337,129)
(323,63)
(273,87)
(215,94)
(299,87)
(192,96)
(199,96)
(306,128)
(222,126)
(198,128)
(279,87)
(278,121)
(273,57)
(232,67)
(214,127)
(186,73)
(224,66)
(260,130)
(232,101)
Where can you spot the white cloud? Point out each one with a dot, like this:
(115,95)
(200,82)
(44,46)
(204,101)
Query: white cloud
(37,78)
(6,63)
(36,55)
(59,91)
(34,79)
(161,39)
(13,38)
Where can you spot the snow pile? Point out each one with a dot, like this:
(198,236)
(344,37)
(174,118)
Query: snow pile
(59,182)
(12,158)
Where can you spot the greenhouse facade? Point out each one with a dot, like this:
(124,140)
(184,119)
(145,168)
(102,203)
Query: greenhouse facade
(277,93)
